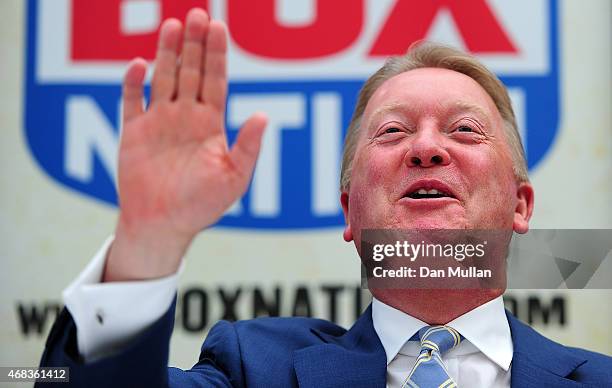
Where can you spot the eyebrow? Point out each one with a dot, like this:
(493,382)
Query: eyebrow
(388,108)
(451,109)
(461,106)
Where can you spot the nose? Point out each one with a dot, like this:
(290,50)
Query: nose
(427,150)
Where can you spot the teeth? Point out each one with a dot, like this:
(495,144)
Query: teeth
(423,191)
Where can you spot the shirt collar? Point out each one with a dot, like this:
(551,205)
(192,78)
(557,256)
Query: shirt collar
(486,327)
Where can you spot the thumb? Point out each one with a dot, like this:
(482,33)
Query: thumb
(245,150)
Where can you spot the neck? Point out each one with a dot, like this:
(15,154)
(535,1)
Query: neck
(435,306)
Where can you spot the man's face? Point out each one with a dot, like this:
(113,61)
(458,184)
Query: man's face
(432,154)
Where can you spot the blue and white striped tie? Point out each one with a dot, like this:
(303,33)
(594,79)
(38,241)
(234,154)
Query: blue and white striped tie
(429,370)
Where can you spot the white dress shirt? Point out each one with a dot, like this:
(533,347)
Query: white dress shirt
(482,359)
(109,315)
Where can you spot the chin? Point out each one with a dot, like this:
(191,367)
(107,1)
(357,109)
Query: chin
(423,218)
(442,223)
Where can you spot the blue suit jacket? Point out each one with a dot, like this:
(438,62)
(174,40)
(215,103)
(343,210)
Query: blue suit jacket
(285,352)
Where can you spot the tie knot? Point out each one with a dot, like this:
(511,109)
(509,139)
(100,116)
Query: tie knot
(439,338)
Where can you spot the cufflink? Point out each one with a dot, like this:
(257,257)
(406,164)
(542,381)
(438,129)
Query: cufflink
(100,317)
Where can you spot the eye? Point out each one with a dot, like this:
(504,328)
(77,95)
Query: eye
(464,128)
(392,130)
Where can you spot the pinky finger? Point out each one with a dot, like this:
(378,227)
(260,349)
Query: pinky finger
(132,89)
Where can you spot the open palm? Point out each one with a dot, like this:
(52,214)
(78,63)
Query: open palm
(174,163)
(176,172)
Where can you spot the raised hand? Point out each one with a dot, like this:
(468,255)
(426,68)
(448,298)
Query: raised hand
(176,172)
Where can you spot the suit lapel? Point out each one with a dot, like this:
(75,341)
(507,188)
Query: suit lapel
(537,360)
(355,359)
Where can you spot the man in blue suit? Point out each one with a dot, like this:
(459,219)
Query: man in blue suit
(432,144)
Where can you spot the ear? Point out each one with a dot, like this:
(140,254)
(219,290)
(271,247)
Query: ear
(524,207)
(344,200)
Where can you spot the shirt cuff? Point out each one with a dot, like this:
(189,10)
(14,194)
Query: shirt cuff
(110,315)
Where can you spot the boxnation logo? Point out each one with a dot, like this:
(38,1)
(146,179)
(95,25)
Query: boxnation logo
(302,61)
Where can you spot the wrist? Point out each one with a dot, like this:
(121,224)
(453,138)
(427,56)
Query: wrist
(142,252)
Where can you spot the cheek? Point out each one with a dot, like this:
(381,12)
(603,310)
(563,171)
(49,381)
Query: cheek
(486,171)
(373,178)
(378,167)
(493,188)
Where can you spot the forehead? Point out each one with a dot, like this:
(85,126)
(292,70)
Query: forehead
(431,90)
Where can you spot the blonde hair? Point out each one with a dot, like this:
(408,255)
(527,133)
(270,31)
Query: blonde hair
(435,55)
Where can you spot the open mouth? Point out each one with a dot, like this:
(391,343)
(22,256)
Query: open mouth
(429,189)
(433,193)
